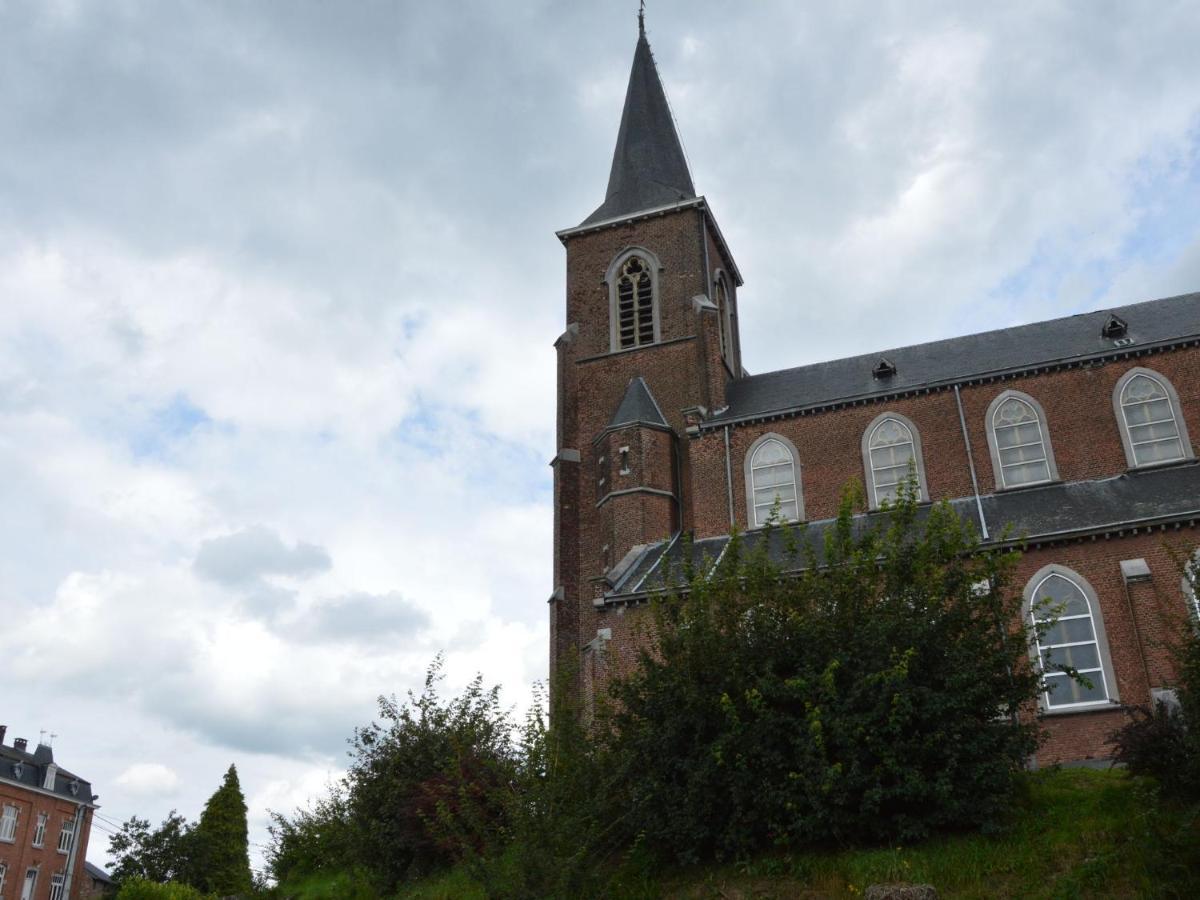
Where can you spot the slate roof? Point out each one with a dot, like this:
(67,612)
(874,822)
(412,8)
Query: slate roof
(1133,500)
(649,168)
(96,873)
(32,767)
(1022,347)
(638,406)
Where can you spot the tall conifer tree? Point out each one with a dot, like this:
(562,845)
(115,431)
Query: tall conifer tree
(222,851)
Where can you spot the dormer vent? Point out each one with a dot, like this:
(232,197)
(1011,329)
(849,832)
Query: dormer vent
(1114,327)
(885,368)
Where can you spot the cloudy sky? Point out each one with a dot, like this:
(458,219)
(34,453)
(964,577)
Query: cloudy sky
(279,284)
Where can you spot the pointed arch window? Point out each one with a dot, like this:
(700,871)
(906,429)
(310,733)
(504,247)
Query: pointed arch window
(772,476)
(1151,421)
(891,453)
(1019,441)
(633,299)
(1074,640)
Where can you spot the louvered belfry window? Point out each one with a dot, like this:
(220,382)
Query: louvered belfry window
(635,304)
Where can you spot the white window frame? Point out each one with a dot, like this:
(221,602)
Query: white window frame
(993,410)
(1107,675)
(66,836)
(39,831)
(51,777)
(612,279)
(58,881)
(9,816)
(748,464)
(918,456)
(1176,411)
(3,876)
(29,885)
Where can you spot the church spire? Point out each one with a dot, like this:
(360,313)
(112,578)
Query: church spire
(648,167)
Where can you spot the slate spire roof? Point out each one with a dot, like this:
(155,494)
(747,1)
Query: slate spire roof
(638,406)
(648,167)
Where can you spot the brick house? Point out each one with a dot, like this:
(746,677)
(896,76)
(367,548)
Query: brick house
(45,819)
(1073,433)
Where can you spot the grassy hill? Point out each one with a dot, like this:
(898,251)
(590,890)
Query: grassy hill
(1079,833)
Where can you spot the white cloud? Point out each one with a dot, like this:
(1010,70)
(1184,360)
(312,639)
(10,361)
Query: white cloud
(148,780)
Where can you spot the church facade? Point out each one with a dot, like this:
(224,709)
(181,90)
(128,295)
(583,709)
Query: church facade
(1074,434)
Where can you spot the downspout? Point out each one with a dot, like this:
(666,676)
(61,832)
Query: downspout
(1137,636)
(707,267)
(728,477)
(962,420)
(73,854)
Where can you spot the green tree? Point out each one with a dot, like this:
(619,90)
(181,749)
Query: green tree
(161,854)
(221,857)
(320,839)
(861,686)
(432,760)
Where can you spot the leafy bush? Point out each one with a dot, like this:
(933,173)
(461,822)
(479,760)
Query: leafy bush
(430,763)
(873,696)
(559,833)
(319,840)
(140,889)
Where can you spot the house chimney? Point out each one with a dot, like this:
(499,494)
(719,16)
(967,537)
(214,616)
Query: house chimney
(20,744)
(3,731)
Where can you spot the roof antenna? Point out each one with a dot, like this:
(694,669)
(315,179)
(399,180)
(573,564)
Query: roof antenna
(642,18)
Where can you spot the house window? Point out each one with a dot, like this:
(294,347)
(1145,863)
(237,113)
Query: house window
(66,836)
(51,776)
(39,832)
(1019,441)
(8,823)
(3,877)
(633,287)
(892,454)
(771,477)
(57,882)
(1065,608)
(1152,426)
(30,884)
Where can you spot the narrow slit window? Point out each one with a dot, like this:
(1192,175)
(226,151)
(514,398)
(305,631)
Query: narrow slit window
(635,304)
(773,480)
(1070,642)
(1150,421)
(1020,444)
(893,458)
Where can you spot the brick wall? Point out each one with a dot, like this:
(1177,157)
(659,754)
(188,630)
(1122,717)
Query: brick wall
(20,855)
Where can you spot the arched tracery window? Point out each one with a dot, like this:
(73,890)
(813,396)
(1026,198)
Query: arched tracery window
(1075,639)
(635,303)
(771,477)
(1019,441)
(1151,422)
(892,451)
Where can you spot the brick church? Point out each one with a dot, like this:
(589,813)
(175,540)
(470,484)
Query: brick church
(1073,433)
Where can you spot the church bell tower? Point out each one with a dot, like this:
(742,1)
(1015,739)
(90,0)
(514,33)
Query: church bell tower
(650,345)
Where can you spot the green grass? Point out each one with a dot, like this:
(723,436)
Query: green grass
(1077,834)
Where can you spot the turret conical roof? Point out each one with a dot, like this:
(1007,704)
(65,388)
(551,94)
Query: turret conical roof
(648,167)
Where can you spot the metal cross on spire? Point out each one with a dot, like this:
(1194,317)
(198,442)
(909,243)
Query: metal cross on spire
(642,17)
